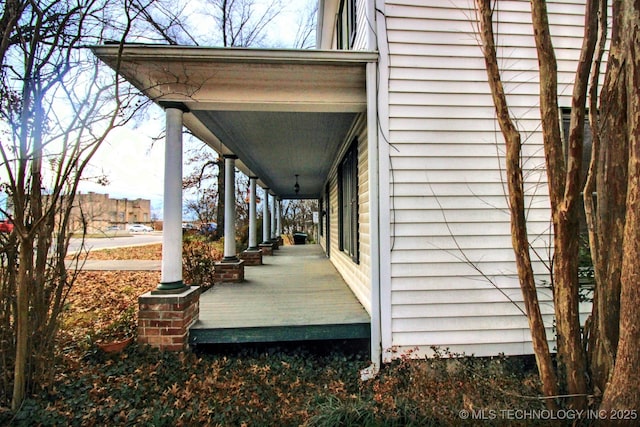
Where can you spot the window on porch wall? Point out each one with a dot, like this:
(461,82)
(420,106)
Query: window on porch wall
(328,218)
(346,24)
(348,202)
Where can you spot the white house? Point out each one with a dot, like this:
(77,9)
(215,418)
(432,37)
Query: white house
(390,124)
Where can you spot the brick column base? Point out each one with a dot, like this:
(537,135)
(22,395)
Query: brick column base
(164,319)
(266,249)
(275,244)
(251,257)
(280,241)
(228,272)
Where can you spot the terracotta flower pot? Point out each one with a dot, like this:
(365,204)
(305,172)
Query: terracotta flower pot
(114,346)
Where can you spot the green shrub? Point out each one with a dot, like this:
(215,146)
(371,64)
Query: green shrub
(199,256)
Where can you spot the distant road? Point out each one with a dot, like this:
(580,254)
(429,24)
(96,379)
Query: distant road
(117,242)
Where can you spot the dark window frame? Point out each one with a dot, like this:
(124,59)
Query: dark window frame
(346,24)
(348,206)
(327,196)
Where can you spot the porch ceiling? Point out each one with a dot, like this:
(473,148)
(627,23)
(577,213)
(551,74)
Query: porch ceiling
(278,145)
(282,112)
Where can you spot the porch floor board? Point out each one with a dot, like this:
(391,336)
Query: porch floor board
(296,295)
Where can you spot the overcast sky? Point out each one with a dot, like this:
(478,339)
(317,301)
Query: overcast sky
(131,160)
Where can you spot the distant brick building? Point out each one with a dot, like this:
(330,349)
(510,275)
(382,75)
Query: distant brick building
(99,211)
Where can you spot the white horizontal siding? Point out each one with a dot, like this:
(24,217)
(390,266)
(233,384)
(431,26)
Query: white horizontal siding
(453,216)
(444,311)
(427,201)
(452,324)
(444,163)
(449,243)
(479,336)
(469,112)
(442,255)
(450,228)
(356,275)
(461,229)
(457,296)
(472,282)
(456,268)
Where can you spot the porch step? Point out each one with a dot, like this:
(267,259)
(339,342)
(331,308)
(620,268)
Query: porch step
(199,334)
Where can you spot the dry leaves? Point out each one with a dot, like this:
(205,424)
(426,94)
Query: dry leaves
(98,298)
(146,252)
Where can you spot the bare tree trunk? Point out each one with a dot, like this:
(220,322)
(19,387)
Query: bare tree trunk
(25,238)
(564,193)
(43,68)
(622,392)
(600,355)
(20,374)
(611,187)
(520,239)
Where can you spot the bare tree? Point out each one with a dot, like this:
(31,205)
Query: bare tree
(515,183)
(606,218)
(620,107)
(307,18)
(564,190)
(298,214)
(203,206)
(241,23)
(614,225)
(57,108)
(238,23)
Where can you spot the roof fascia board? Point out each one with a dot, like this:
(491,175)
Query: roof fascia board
(199,53)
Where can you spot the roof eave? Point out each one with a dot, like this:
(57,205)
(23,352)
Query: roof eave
(110,52)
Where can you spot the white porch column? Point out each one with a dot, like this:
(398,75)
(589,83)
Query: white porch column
(278,217)
(253,229)
(273,219)
(171,274)
(266,223)
(230,208)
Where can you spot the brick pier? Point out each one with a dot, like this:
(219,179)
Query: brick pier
(226,271)
(266,249)
(251,257)
(164,319)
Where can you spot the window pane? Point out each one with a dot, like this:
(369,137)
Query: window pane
(348,193)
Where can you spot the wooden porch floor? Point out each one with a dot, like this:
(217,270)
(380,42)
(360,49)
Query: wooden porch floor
(297,295)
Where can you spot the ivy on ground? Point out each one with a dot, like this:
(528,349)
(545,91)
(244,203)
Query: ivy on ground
(313,385)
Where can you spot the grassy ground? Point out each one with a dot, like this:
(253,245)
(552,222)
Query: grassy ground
(315,385)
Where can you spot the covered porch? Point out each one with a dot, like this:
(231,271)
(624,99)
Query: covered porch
(296,295)
(286,119)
